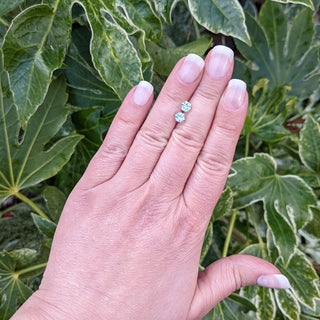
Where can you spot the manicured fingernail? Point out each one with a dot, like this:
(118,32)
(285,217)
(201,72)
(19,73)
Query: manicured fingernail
(191,68)
(143,92)
(274,281)
(220,61)
(235,94)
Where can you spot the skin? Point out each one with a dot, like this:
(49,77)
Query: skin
(128,243)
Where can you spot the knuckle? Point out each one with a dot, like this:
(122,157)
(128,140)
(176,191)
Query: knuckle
(152,137)
(206,94)
(112,151)
(228,130)
(187,137)
(217,163)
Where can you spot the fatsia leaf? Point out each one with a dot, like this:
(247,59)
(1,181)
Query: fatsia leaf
(286,198)
(309,144)
(307,3)
(34,46)
(300,272)
(221,16)
(224,205)
(7,6)
(28,162)
(206,242)
(233,307)
(12,290)
(281,52)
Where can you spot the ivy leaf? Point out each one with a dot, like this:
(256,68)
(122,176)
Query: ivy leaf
(165,59)
(55,200)
(85,87)
(299,271)
(286,198)
(309,144)
(46,227)
(28,162)
(313,226)
(281,52)
(7,6)
(141,15)
(114,56)
(288,304)
(165,7)
(13,291)
(221,16)
(307,3)
(231,308)
(34,46)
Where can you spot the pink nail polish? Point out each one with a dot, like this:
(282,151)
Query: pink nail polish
(191,68)
(142,93)
(235,94)
(274,281)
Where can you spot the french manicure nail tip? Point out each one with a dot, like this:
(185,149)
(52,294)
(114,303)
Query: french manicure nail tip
(142,93)
(274,281)
(191,68)
(235,94)
(220,61)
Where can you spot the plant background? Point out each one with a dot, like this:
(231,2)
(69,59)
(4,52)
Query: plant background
(66,66)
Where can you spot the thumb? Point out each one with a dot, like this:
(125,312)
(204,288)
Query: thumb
(229,274)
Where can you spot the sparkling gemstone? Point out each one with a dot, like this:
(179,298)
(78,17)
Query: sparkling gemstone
(180,117)
(185,106)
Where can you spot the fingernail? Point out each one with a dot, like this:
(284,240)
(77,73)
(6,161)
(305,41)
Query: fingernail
(235,94)
(142,93)
(274,281)
(220,61)
(191,68)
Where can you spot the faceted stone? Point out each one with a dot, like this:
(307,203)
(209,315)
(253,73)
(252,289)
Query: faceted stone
(185,106)
(180,117)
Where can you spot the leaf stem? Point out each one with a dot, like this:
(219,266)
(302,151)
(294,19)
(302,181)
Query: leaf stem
(32,268)
(15,206)
(32,205)
(4,21)
(246,150)
(255,225)
(228,238)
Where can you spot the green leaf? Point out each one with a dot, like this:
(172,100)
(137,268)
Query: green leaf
(141,14)
(300,272)
(85,87)
(28,162)
(307,3)
(55,200)
(114,56)
(286,198)
(313,226)
(23,257)
(221,16)
(224,204)
(46,227)
(34,46)
(8,5)
(12,290)
(231,308)
(165,59)
(309,144)
(281,52)
(206,243)
(288,304)
(164,8)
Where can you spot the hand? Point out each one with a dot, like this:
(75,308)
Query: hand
(129,239)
